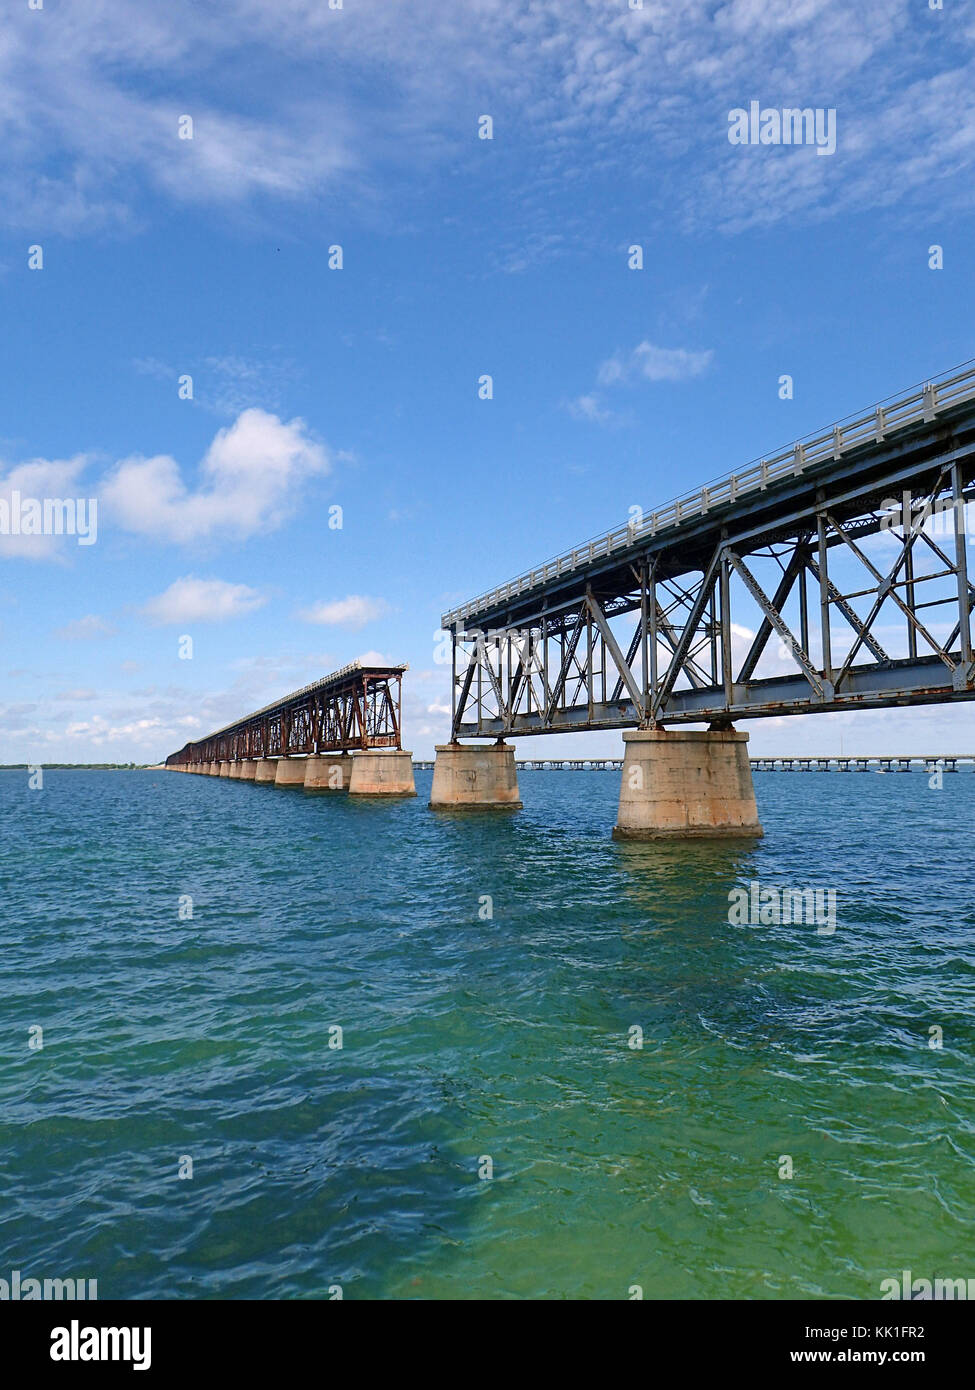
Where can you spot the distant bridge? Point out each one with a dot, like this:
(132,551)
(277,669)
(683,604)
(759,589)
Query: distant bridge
(644,626)
(358,707)
(914,762)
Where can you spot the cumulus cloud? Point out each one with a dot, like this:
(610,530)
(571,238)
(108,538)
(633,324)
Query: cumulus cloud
(202,600)
(351,612)
(248,478)
(40,479)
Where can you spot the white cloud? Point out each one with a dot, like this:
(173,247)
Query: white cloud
(248,479)
(654,364)
(646,361)
(40,479)
(352,612)
(89,124)
(589,407)
(85,629)
(202,600)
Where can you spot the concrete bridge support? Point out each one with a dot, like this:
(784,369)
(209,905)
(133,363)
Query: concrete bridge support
(328,772)
(686,784)
(382,772)
(478,776)
(224,769)
(266,769)
(248,769)
(235,769)
(290,772)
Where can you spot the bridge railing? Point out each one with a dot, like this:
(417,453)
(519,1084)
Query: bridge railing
(924,403)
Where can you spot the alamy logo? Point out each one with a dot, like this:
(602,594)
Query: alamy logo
(909,1287)
(792,125)
(17,1289)
(77,1343)
(49,516)
(758,906)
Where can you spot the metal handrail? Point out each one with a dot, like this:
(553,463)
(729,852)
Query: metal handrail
(887,417)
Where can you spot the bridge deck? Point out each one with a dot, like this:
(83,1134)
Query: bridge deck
(766,491)
(546,652)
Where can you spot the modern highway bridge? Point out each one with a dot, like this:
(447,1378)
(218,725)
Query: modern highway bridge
(668,621)
(341,733)
(778,762)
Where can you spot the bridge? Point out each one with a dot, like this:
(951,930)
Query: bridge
(668,621)
(777,762)
(341,733)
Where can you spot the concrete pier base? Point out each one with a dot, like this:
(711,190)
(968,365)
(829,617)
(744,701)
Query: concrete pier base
(686,784)
(248,769)
(477,776)
(224,769)
(266,769)
(235,769)
(211,769)
(290,772)
(328,772)
(382,772)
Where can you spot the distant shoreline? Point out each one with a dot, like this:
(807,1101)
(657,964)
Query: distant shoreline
(84,767)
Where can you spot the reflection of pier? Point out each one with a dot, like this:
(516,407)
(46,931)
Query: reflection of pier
(914,762)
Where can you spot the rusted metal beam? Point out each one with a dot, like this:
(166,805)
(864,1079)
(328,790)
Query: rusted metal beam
(358,707)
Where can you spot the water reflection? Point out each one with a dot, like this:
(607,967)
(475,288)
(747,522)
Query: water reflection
(678,879)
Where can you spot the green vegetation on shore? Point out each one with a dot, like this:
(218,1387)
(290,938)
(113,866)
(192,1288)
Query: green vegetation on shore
(78,767)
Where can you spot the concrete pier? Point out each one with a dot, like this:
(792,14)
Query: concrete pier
(686,784)
(328,772)
(248,769)
(224,769)
(476,776)
(382,772)
(266,769)
(290,772)
(235,769)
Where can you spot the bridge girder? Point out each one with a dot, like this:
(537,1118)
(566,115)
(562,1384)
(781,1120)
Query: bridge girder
(561,655)
(356,708)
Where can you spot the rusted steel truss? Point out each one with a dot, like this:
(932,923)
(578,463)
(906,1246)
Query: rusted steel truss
(355,708)
(842,584)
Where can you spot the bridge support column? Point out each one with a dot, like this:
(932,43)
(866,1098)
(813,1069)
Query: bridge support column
(382,772)
(290,772)
(266,769)
(223,769)
(248,769)
(478,776)
(686,784)
(235,769)
(328,772)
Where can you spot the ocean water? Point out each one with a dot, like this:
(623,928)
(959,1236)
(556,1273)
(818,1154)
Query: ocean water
(467,1038)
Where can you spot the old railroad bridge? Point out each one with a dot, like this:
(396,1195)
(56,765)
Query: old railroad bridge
(831,576)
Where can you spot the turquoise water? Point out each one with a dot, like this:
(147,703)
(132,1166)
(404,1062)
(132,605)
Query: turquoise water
(465,1038)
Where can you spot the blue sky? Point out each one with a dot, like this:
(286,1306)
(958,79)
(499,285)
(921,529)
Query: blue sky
(315,388)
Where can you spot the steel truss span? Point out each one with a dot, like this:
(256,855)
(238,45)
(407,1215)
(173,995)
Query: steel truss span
(358,707)
(850,552)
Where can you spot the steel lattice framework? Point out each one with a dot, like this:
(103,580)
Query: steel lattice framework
(857,531)
(357,707)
